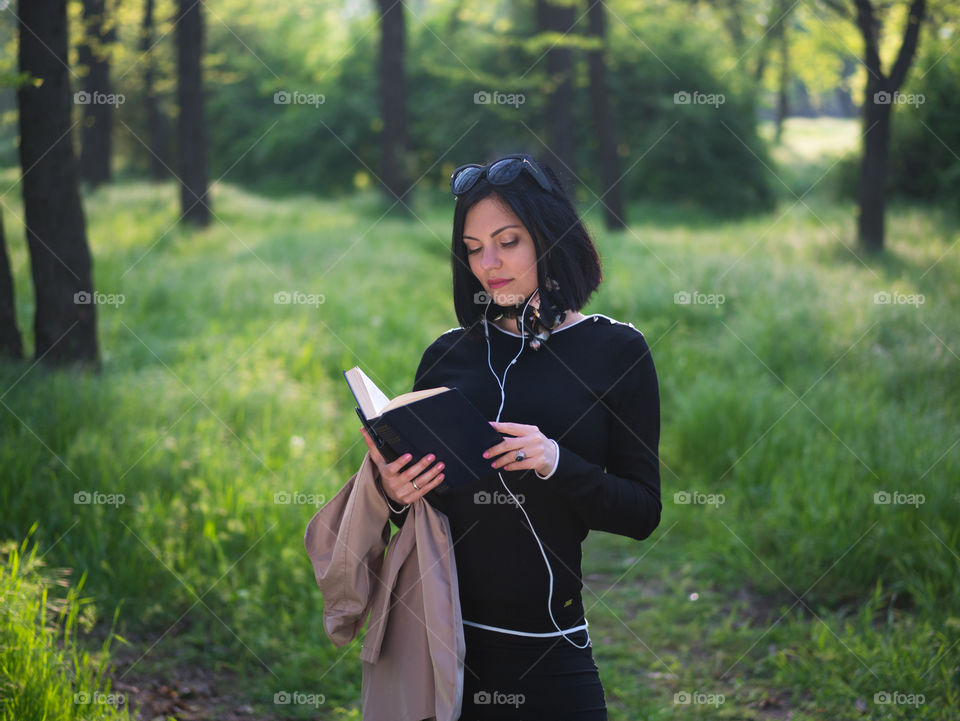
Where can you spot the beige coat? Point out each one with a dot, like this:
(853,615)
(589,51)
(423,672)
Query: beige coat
(414,647)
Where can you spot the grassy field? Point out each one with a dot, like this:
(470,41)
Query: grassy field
(779,584)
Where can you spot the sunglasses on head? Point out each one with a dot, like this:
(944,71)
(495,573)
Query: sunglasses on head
(499,172)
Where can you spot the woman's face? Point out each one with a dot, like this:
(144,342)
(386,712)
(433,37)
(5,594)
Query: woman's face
(500,248)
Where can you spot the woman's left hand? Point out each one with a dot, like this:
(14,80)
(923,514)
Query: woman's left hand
(540,453)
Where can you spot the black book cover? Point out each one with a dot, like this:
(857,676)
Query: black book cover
(446,424)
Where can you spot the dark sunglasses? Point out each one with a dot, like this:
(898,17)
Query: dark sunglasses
(499,172)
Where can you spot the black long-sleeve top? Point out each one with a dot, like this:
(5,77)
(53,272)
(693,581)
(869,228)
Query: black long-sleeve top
(593,388)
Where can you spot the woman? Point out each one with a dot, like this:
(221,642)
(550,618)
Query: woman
(578,394)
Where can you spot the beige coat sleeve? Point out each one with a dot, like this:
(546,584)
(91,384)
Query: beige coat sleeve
(345,541)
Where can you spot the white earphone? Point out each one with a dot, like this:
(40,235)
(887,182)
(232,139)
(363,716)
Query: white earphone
(503,397)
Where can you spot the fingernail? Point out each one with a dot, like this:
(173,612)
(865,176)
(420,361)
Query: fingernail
(486,454)
(494,464)
(439,466)
(407,457)
(431,457)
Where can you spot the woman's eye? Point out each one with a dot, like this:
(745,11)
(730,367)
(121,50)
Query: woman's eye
(502,245)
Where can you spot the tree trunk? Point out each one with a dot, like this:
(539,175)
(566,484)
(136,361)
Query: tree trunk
(873,171)
(610,190)
(393,105)
(96,96)
(194,193)
(10,344)
(65,321)
(157,129)
(559,120)
(783,91)
(877,106)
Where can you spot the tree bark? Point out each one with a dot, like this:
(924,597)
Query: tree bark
(95,148)
(10,344)
(559,120)
(611,192)
(393,105)
(194,193)
(783,87)
(64,325)
(877,106)
(157,128)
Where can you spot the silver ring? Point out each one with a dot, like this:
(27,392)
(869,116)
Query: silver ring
(415,485)
(520,456)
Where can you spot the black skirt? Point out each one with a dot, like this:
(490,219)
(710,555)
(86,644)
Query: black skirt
(520,678)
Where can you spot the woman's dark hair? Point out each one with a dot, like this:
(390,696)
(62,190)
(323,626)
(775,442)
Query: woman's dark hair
(565,251)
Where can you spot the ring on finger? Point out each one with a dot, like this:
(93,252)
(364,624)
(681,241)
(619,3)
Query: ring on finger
(415,485)
(520,456)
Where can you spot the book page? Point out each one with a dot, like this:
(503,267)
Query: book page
(413,396)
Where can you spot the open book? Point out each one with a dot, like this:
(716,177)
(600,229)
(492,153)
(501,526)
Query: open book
(441,421)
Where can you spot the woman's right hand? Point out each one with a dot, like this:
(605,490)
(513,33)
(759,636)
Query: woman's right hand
(397,485)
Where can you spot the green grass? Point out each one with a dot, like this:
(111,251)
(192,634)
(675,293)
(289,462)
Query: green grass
(213,398)
(44,673)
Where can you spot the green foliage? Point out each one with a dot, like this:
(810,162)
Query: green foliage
(213,399)
(925,138)
(44,674)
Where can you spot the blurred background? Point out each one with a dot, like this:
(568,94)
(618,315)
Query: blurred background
(211,209)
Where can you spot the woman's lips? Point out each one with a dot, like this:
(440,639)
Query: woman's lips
(499,283)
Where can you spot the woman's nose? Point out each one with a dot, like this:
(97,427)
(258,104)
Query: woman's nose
(489,257)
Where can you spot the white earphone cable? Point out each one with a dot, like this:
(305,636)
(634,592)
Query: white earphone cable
(503,397)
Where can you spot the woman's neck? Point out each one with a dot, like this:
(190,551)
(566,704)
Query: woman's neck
(509,323)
